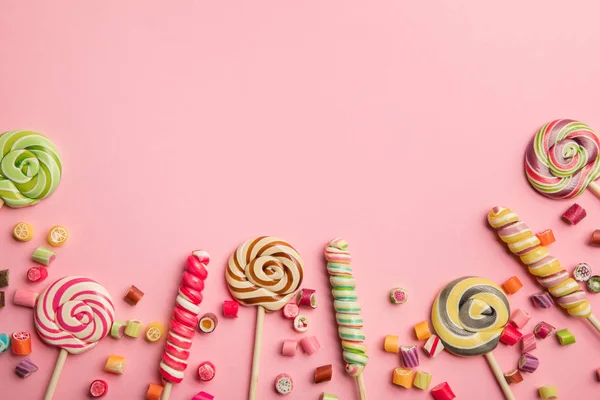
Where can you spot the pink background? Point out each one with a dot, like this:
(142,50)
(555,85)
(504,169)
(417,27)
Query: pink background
(397,125)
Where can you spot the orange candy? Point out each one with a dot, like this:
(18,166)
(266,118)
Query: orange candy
(546,237)
(403,377)
(21,343)
(512,286)
(154,392)
(422,330)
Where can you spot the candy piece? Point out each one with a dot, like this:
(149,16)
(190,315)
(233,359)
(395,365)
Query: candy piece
(289,348)
(510,335)
(422,380)
(422,330)
(328,396)
(43,256)
(528,363)
(323,373)
(2,300)
(25,368)
(398,295)
(154,392)
(21,343)
(203,396)
(410,357)
(208,322)
(543,330)
(117,329)
(4,342)
(593,284)
(284,384)
(230,308)
(548,392)
(443,392)
(115,364)
(528,343)
(546,237)
(98,388)
(512,286)
(391,344)
(301,323)
(542,300)
(433,346)
(582,272)
(58,236)
(133,328)
(574,214)
(206,371)
(595,238)
(23,232)
(403,377)
(565,337)
(513,376)
(133,295)
(30,168)
(37,274)
(4,275)
(154,331)
(25,298)
(520,318)
(290,311)
(306,298)
(310,345)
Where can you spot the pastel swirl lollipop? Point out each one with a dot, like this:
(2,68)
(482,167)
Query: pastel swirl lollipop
(264,272)
(563,159)
(73,313)
(469,316)
(30,168)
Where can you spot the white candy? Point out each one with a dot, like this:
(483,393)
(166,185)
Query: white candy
(433,346)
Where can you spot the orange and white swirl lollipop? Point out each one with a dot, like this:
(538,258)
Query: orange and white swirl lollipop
(264,272)
(73,313)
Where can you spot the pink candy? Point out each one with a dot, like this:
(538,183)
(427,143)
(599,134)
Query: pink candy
(289,348)
(510,335)
(543,330)
(574,214)
(520,318)
(230,308)
(203,396)
(290,311)
(206,371)
(528,343)
(310,345)
(25,298)
(306,298)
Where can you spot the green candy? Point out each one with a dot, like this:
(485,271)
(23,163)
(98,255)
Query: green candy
(30,168)
(593,284)
(565,337)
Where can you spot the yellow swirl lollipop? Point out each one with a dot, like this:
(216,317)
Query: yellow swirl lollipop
(30,168)
(469,316)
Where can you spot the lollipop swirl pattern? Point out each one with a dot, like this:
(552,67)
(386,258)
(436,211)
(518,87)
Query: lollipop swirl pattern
(30,168)
(346,306)
(563,159)
(74,313)
(469,315)
(265,271)
(549,273)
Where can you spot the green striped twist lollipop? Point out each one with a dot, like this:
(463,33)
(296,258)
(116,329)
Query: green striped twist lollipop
(30,168)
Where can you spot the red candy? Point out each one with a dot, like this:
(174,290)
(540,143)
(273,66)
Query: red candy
(443,392)
(185,317)
(206,371)
(510,335)
(195,267)
(230,308)
(37,274)
(192,281)
(177,352)
(173,361)
(194,296)
(98,388)
(574,214)
(182,330)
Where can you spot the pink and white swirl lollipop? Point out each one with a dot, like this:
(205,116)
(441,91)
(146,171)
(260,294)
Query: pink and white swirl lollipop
(563,159)
(73,313)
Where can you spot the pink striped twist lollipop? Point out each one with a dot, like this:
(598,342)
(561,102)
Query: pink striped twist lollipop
(73,313)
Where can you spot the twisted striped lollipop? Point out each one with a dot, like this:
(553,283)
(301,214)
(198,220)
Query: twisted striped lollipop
(547,269)
(347,308)
(184,322)
(73,313)
(30,168)
(263,272)
(469,316)
(563,159)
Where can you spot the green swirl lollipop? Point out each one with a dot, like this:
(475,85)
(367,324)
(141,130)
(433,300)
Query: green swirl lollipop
(30,168)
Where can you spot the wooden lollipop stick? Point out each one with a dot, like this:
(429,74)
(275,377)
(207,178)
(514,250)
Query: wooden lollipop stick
(594,321)
(166,391)
(260,318)
(1,203)
(360,379)
(60,363)
(499,376)
(594,187)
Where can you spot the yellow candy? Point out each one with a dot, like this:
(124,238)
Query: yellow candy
(391,344)
(133,328)
(58,236)
(548,269)
(582,310)
(403,377)
(422,380)
(498,217)
(154,332)
(529,241)
(564,288)
(23,232)
(534,255)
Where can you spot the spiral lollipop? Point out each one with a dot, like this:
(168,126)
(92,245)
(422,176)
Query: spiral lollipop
(347,309)
(30,168)
(469,316)
(547,269)
(73,313)
(563,159)
(263,272)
